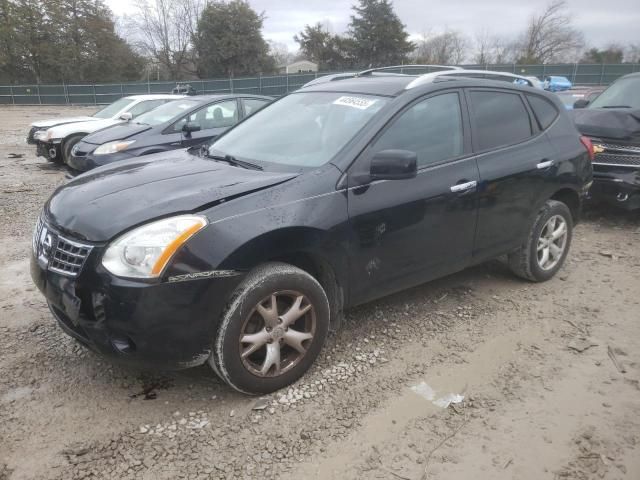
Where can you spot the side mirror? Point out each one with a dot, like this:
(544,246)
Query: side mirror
(394,165)
(190,127)
(126,116)
(582,103)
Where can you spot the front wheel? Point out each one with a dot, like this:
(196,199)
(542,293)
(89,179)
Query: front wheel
(546,247)
(68,145)
(272,330)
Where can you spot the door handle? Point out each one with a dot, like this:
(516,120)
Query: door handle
(545,164)
(463,187)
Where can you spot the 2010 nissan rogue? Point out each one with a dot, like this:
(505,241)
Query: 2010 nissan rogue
(332,196)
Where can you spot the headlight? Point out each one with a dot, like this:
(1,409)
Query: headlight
(145,251)
(112,147)
(40,135)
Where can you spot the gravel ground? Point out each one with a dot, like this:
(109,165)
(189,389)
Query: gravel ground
(549,375)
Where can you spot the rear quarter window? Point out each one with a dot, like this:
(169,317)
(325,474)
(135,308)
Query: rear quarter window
(500,119)
(545,111)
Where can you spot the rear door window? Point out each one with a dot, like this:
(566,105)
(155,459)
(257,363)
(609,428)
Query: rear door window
(218,115)
(545,111)
(500,119)
(252,105)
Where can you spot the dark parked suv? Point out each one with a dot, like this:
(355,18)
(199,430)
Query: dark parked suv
(612,123)
(330,197)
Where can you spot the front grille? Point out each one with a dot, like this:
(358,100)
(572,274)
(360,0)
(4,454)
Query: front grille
(37,232)
(617,160)
(58,253)
(617,155)
(68,257)
(629,149)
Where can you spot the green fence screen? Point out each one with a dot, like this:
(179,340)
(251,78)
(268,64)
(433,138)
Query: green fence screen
(96,94)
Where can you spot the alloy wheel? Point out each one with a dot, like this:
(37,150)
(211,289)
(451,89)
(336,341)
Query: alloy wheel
(276,334)
(552,242)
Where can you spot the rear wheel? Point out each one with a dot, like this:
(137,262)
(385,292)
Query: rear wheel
(68,145)
(272,330)
(546,247)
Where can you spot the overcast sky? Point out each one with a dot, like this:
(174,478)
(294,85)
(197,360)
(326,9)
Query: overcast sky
(602,21)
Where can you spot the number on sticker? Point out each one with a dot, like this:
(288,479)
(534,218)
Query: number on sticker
(355,102)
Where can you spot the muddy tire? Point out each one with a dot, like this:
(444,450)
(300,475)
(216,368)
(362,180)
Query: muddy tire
(272,330)
(546,247)
(68,145)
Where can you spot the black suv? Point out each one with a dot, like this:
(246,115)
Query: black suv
(329,197)
(612,123)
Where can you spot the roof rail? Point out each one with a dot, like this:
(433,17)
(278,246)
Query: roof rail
(486,74)
(395,67)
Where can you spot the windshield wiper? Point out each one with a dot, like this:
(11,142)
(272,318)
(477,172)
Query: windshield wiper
(616,106)
(231,160)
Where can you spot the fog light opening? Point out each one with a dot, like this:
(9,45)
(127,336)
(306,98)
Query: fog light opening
(123,344)
(622,197)
(52,152)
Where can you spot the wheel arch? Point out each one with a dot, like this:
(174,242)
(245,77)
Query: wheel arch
(73,135)
(307,248)
(571,198)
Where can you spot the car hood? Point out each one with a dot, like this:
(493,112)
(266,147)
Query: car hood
(51,122)
(614,123)
(104,202)
(63,131)
(117,132)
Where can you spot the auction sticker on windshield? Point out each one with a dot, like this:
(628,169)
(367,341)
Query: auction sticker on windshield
(355,102)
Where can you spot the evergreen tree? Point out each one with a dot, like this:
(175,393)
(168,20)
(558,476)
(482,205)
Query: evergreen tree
(379,37)
(229,41)
(50,41)
(330,52)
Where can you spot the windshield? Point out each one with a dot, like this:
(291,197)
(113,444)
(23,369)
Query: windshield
(166,112)
(623,93)
(302,129)
(110,110)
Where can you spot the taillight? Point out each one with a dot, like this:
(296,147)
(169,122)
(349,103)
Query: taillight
(586,141)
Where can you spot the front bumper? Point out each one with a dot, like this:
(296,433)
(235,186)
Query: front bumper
(165,325)
(49,150)
(85,162)
(617,186)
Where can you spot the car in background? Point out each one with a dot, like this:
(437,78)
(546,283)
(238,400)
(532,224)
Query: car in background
(330,197)
(585,95)
(182,89)
(612,122)
(555,83)
(536,81)
(188,122)
(483,74)
(55,138)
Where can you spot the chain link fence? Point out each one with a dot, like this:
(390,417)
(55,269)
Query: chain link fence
(275,85)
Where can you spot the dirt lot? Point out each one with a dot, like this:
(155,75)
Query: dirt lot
(550,375)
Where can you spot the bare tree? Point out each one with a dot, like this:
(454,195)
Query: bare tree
(280,53)
(483,53)
(504,50)
(163,30)
(550,36)
(449,47)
